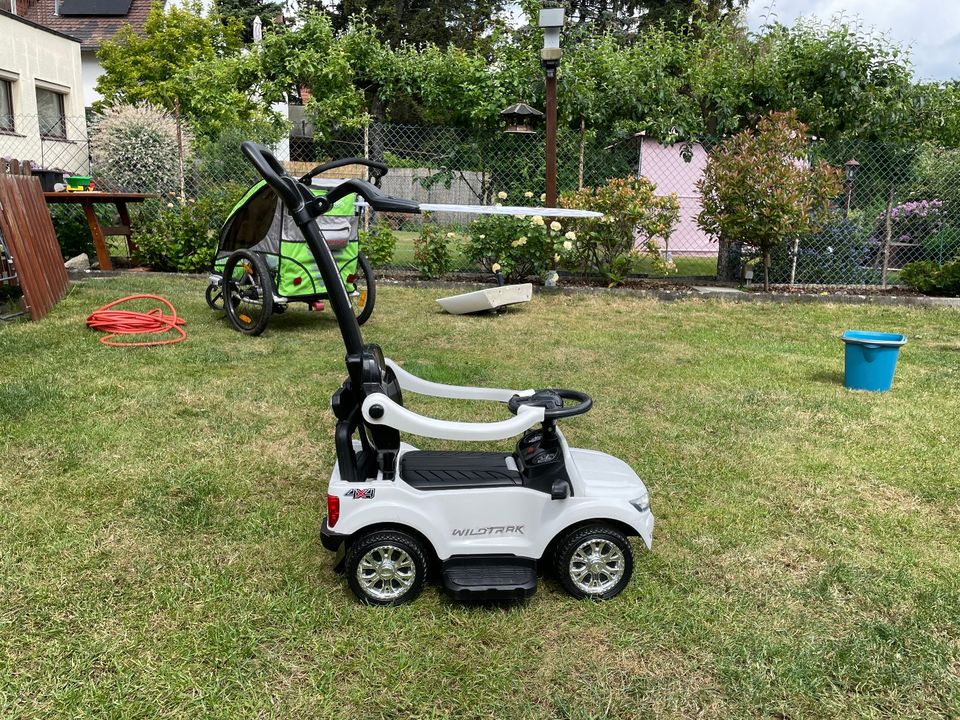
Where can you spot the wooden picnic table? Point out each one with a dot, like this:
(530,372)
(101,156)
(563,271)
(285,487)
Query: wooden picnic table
(87,199)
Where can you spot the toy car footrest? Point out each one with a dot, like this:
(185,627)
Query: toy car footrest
(479,577)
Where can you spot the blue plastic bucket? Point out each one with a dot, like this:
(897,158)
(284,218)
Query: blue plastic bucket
(870,359)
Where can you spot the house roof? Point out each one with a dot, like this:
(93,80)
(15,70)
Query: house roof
(31,23)
(92,30)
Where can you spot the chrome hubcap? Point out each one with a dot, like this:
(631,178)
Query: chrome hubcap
(386,572)
(596,566)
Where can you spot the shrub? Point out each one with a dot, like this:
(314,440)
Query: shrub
(758,190)
(378,244)
(134,147)
(431,252)
(73,230)
(522,246)
(930,278)
(183,236)
(632,213)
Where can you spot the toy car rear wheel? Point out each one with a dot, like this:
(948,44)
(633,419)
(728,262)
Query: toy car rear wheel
(247,284)
(365,290)
(386,568)
(594,562)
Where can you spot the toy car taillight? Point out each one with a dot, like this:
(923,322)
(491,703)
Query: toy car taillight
(333,510)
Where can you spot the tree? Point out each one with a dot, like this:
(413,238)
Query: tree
(246,10)
(189,62)
(757,189)
(465,24)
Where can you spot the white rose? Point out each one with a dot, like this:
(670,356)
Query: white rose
(522,241)
(556,258)
(555,226)
(536,220)
(502,195)
(571,235)
(567,245)
(518,217)
(451,235)
(528,194)
(495,267)
(481,236)
(543,197)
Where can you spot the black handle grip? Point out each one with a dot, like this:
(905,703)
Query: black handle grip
(273,172)
(372,194)
(379,169)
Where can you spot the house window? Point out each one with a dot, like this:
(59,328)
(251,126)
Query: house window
(53,123)
(6,106)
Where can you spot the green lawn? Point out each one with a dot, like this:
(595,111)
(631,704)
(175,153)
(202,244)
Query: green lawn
(160,509)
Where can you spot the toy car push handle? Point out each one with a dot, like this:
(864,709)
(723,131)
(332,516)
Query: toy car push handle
(378,168)
(371,193)
(378,409)
(552,402)
(273,173)
(411,383)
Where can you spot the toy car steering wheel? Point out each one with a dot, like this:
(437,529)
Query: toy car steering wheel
(551,400)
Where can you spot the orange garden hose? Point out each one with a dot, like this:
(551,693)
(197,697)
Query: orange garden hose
(128,322)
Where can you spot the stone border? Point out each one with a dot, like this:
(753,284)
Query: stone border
(706,292)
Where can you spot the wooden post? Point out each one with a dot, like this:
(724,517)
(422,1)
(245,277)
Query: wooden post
(583,136)
(366,154)
(551,151)
(887,238)
(183,186)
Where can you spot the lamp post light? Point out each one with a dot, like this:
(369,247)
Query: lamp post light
(850,168)
(551,21)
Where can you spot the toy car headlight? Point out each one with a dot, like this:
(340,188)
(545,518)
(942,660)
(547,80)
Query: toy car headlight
(641,503)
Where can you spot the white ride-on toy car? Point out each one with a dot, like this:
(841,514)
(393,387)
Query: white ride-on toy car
(487,521)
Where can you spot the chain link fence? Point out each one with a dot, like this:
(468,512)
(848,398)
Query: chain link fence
(900,203)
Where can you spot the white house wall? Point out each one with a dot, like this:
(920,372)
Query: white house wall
(32,57)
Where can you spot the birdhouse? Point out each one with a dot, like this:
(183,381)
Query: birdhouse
(520,118)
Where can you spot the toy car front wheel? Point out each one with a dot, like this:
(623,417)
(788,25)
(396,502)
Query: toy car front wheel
(247,285)
(386,568)
(594,562)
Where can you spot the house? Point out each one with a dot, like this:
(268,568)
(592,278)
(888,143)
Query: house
(91,21)
(41,96)
(676,169)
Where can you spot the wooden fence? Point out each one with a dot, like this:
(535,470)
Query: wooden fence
(28,238)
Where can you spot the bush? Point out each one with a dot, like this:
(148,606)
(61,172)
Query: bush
(183,236)
(431,252)
(378,244)
(930,278)
(521,246)
(631,213)
(73,230)
(134,147)
(758,190)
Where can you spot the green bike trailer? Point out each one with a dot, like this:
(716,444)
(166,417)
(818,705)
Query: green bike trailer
(271,265)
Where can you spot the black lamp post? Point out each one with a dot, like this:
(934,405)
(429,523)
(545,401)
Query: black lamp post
(551,20)
(850,168)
